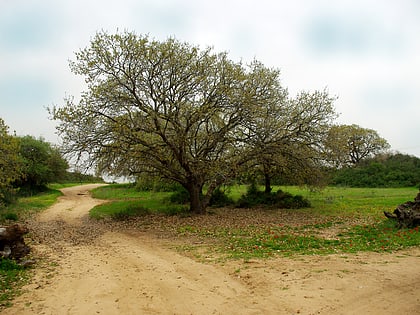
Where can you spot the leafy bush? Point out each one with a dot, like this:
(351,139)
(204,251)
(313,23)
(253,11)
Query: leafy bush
(280,199)
(180,196)
(219,198)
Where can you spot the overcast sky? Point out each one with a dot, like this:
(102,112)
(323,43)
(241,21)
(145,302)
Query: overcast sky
(365,52)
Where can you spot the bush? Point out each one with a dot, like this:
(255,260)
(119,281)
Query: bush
(180,196)
(219,198)
(280,199)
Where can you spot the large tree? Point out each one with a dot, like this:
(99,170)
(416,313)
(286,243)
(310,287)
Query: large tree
(10,164)
(348,145)
(166,108)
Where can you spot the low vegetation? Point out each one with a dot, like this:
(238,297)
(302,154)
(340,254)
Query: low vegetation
(12,276)
(339,220)
(28,205)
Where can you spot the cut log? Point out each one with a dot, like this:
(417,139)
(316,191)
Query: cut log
(12,244)
(407,214)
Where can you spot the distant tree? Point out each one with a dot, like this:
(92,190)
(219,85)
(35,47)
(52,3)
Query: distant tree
(10,165)
(42,163)
(348,145)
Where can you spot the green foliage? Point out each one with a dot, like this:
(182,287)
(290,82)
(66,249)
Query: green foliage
(28,205)
(348,145)
(42,162)
(397,170)
(220,198)
(180,196)
(10,164)
(280,199)
(9,216)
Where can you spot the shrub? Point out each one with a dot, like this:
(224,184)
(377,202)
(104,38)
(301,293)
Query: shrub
(280,199)
(180,196)
(219,198)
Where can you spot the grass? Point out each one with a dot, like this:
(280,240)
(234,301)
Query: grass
(126,201)
(12,277)
(288,241)
(341,220)
(25,206)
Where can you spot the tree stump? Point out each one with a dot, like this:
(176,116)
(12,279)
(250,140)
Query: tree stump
(407,214)
(12,244)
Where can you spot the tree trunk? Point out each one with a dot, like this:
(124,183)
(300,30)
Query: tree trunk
(407,214)
(196,198)
(12,244)
(267,183)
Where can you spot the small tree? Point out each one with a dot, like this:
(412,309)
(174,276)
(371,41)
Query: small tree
(10,164)
(42,163)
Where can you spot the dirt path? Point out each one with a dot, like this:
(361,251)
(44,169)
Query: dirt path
(94,270)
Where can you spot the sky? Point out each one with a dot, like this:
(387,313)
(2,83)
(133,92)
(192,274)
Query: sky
(364,52)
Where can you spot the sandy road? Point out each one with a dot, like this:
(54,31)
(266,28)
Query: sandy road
(136,273)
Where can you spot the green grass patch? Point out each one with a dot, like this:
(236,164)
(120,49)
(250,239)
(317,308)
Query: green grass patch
(366,201)
(261,242)
(121,191)
(12,276)
(119,210)
(127,201)
(25,206)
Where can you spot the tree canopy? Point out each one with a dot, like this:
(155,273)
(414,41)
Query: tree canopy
(42,163)
(348,145)
(180,112)
(10,164)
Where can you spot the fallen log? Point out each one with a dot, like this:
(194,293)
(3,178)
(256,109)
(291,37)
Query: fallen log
(407,214)
(12,244)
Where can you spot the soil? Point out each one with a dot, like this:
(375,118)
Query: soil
(91,267)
